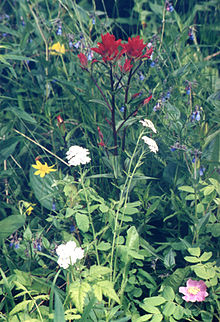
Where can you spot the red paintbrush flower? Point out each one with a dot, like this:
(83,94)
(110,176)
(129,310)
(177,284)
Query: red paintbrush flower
(147,100)
(135,47)
(83,60)
(108,48)
(126,67)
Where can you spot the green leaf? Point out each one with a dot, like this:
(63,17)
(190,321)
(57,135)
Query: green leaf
(192,259)
(176,279)
(208,190)
(187,189)
(205,256)
(42,188)
(145,317)
(103,246)
(202,272)
(103,208)
(7,147)
(150,308)
(78,293)
(132,240)
(178,313)
(194,251)
(69,212)
(108,290)
(169,308)
(22,306)
(21,114)
(157,317)
(27,234)
(97,271)
(154,301)
(214,229)
(58,309)
(169,259)
(10,224)
(168,293)
(82,222)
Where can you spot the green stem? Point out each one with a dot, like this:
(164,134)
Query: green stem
(123,201)
(90,217)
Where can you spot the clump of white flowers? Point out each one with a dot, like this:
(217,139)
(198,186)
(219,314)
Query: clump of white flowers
(68,254)
(149,124)
(77,155)
(151,144)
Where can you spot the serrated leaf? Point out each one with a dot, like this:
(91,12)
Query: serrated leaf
(22,306)
(78,293)
(108,290)
(176,279)
(82,222)
(196,251)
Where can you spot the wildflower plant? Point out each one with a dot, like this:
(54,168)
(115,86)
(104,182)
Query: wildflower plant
(122,62)
(120,221)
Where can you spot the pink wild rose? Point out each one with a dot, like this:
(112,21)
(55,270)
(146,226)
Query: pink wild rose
(195,291)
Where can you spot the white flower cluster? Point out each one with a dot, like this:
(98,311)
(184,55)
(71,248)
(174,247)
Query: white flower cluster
(151,143)
(77,155)
(148,123)
(68,254)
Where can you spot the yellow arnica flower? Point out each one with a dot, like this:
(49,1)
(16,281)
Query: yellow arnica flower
(42,169)
(29,210)
(57,49)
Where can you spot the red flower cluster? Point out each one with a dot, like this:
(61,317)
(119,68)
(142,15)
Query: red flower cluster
(83,60)
(126,67)
(108,48)
(134,49)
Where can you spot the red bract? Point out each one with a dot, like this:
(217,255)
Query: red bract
(126,67)
(134,48)
(108,48)
(83,60)
(147,100)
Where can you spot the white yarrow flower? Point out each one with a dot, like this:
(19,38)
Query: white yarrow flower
(148,123)
(151,143)
(68,254)
(77,155)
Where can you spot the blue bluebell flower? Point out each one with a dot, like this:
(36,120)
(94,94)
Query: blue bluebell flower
(152,64)
(72,228)
(77,44)
(201,171)
(59,31)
